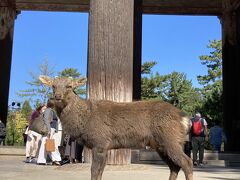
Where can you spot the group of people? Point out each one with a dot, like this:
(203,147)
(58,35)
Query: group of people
(35,143)
(198,135)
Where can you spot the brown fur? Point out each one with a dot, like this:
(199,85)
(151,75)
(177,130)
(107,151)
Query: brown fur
(104,125)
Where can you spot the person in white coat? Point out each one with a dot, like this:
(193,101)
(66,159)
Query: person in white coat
(50,119)
(59,133)
(33,138)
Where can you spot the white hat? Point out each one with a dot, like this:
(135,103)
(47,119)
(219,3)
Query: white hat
(198,115)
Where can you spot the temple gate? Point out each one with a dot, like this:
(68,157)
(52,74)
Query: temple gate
(114,53)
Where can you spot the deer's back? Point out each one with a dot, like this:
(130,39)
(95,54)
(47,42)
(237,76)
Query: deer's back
(123,123)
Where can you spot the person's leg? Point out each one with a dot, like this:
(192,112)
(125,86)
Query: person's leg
(58,138)
(73,151)
(187,148)
(32,142)
(38,143)
(42,153)
(34,148)
(28,148)
(194,149)
(78,152)
(2,140)
(201,149)
(55,156)
(217,147)
(67,151)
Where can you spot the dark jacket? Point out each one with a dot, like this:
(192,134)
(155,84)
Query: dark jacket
(50,119)
(2,130)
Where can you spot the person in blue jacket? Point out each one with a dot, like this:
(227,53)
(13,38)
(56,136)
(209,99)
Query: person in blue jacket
(217,136)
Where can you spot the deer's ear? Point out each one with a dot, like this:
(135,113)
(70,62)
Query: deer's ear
(46,80)
(79,82)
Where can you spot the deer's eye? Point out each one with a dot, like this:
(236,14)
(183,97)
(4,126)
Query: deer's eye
(53,87)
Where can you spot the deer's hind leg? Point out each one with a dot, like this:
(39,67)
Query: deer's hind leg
(171,150)
(174,169)
(175,158)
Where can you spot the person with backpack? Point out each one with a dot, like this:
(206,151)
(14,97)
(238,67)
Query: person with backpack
(2,133)
(199,135)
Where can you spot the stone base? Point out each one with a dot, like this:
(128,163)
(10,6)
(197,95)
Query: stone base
(211,158)
(149,156)
(12,150)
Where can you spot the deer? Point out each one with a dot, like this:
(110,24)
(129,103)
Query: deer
(101,125)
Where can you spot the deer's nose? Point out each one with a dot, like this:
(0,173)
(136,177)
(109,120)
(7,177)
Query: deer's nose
(57,96)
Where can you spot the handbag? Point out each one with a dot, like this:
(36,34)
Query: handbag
(39,126)
(50,145)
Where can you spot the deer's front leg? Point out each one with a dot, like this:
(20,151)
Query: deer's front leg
(99,157)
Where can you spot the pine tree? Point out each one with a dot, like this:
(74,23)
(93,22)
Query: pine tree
(38,93)
(26,109)
(182,94)
(73,73)
(212,82)
(173,88)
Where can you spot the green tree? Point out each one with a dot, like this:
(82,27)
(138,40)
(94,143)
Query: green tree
(38,93)
(16,124)
(181,93)
(152,85)
(173,88)
(73,73)
(26,109)
(212,82)
(147,67)
(10,128)
(69,72)
(21,123)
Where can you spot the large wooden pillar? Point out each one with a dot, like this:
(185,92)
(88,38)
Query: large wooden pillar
(137,49)
(231,71)
(114,56)
(7,17)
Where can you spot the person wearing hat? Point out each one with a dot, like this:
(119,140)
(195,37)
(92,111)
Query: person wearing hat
(199,135)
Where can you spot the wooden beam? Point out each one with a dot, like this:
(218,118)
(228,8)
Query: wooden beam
(179,7)
(54,5)
(182,7)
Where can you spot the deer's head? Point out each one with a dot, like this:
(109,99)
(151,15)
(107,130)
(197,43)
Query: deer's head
(62,86)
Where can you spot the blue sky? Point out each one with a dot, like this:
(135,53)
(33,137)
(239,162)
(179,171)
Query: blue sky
(175,42)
